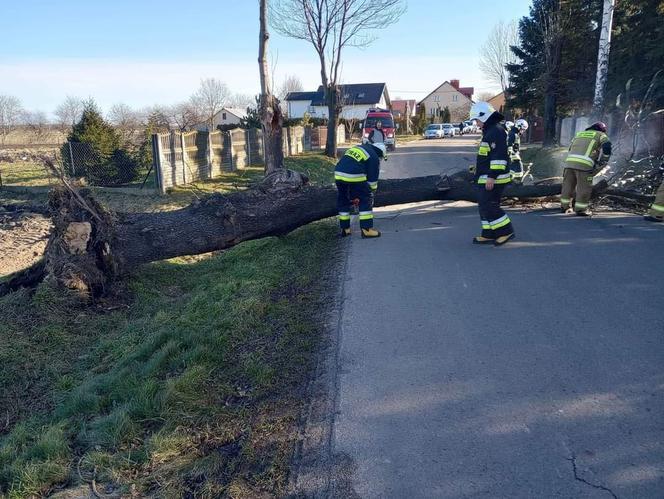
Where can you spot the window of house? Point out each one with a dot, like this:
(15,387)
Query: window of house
(436,98)
(223,116)
(455,98)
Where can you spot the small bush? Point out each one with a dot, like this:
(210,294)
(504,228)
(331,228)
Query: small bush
(94,151)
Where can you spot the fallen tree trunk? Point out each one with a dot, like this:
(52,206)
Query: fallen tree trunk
(91,247)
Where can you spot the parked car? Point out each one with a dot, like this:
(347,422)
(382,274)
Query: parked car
(469,127)
(434,131)
(449,129)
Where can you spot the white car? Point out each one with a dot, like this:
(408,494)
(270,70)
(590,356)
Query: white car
(450,130)
(434,131)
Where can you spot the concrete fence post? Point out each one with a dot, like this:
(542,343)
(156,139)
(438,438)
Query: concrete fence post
(184,158)
(157,163)
(209,154)
(247,140)
(230,149)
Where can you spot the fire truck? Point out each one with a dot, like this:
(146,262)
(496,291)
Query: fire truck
(388,127)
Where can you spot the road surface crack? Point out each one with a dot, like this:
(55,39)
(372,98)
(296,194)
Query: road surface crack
(583,480)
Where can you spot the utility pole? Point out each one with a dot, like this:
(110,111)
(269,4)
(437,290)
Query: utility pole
(603,57)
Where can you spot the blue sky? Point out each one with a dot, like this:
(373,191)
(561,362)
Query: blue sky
(146,52)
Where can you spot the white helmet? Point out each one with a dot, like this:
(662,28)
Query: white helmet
(521,124)
(481,111)
(509,124)
(381,147)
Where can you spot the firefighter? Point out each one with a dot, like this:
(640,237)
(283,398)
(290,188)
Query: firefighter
(356,176)
(514,144)
(589,152)
(656,213)
(492,175)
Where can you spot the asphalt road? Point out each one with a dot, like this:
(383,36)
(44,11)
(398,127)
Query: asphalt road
(533,370)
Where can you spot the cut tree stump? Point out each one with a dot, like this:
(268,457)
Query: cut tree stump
(118,243)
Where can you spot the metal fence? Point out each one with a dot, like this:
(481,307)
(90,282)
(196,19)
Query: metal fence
(182,158)
(119,168)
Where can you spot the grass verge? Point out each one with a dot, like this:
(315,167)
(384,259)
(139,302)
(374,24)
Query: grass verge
(189,385)
(547,161)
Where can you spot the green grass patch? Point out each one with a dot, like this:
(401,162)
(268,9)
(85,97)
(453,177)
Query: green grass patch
(189,383)
(26,173)
(547,161)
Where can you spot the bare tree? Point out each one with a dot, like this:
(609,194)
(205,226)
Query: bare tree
(241,101)
(290,84)
(184,115)
(10,114)
(69,112)
(37,123)
(330,26)
(270,111)
(485,96)
(496,52)
(210,98)
(125,120)
(603,56)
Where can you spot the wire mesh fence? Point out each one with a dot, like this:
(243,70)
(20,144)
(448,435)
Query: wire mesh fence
(117,168)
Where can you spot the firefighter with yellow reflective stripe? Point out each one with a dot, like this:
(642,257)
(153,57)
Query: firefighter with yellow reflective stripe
(356,175)
(589,152)
(492,174)
(656,213)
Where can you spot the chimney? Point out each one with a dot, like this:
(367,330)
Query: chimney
(455,83)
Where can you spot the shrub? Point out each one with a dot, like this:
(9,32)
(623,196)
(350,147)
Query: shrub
(94,151)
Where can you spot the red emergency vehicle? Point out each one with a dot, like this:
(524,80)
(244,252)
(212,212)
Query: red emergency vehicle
(387,121)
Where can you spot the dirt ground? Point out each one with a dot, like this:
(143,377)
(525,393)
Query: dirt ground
(23,237)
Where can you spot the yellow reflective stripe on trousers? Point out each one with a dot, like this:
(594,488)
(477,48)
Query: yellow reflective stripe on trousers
(344,215)
(350,177)
(373,185)
(657,207)
(504,178)
(578,205)
(486,225)
(501,222)
(498,164)
(366,215)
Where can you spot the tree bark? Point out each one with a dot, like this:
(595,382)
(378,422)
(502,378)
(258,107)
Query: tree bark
(119,243)
(333,108)
(270,110)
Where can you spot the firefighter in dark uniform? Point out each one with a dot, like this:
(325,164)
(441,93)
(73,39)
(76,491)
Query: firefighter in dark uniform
(492,174)
(356,176)
(514,145)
